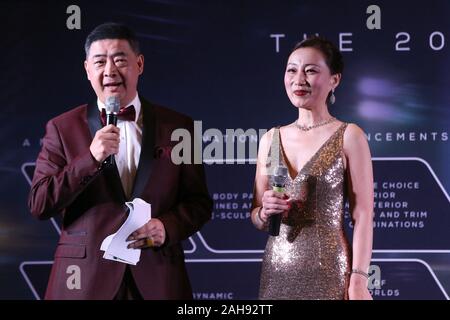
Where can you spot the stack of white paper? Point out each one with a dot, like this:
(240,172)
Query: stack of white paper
(115,245)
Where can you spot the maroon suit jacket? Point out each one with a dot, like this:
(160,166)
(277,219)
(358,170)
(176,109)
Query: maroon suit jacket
(68,181)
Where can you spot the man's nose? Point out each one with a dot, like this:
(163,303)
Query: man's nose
(110,69)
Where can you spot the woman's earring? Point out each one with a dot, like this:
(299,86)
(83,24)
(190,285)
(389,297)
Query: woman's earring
(332,97)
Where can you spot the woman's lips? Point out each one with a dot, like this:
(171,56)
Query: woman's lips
(301,93)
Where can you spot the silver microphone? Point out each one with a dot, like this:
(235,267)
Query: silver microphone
(112,107)
(280,175)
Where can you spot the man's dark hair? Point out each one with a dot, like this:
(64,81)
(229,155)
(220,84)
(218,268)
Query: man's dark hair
(112,30)
(333,56)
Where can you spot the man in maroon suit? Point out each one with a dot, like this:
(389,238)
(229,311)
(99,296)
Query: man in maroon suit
(70,179)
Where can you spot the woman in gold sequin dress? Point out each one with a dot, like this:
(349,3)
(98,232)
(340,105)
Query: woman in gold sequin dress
(327,160)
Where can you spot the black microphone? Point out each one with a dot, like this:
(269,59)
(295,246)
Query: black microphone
(280,174)
(112,107)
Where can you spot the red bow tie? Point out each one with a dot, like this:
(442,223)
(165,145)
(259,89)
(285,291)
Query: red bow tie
(125,114)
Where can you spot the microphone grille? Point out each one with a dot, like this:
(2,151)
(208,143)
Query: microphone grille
(280,174)
(112,104)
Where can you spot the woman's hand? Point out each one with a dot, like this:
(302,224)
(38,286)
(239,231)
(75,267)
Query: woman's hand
(274,203)
(357,289)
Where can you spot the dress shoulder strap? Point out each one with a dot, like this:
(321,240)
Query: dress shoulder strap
(341,134)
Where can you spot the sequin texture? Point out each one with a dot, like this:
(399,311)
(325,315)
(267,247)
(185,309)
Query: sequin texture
(311,258)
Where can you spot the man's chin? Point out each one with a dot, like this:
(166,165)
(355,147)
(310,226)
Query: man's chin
(113,93)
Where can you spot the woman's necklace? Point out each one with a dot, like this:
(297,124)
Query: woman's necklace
(307,128)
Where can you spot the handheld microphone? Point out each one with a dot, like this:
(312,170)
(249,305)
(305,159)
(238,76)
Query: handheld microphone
(112,107)
(280,174)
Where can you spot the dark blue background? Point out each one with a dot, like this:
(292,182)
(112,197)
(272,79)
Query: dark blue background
(215,61)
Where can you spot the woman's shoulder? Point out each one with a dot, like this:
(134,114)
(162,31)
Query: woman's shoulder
(353,131)
(354,136)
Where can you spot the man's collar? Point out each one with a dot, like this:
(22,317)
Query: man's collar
(136,102)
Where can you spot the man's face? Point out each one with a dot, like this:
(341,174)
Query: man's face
(113,69)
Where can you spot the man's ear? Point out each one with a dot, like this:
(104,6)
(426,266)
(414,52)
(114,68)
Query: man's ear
(140,62)
(87,69)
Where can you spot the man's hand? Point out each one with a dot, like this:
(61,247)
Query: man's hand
(152,234)
(105,143)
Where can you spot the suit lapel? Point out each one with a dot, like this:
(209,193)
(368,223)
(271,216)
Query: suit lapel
(147,149)
(94,120)
(111,174)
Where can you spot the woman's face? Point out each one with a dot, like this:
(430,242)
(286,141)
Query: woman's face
(307,79)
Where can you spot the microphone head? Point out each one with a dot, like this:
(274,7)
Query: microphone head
(112,104)
(280,175)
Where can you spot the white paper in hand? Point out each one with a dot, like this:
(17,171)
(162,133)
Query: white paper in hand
(115,245)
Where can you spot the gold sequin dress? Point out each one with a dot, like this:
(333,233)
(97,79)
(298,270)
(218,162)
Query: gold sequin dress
(311,258)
